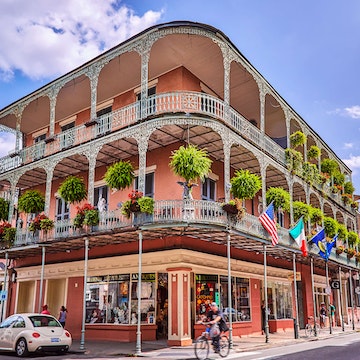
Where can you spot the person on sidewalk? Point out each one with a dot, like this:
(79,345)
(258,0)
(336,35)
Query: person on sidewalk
(323,314)
(332,314)
(45,310)
(62,316)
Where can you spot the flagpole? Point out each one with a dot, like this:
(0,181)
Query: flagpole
(296,322)
(327,295)
(266,299)
(313,292)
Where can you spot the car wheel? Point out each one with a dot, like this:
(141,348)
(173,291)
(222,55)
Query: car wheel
(21,348)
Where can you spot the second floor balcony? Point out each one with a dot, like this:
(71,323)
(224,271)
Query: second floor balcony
(197,219)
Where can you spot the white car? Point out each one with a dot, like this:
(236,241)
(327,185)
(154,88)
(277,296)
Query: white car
(25,333)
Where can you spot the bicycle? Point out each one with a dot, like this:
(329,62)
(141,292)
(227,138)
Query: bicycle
(202,345)
(310,328)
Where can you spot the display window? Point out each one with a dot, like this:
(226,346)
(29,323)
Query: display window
(147,292)
(240,307)
(212,288)
(113,299)
(205,293)
(279,297)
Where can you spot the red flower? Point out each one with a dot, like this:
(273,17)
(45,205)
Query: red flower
(81,209)
(135,195)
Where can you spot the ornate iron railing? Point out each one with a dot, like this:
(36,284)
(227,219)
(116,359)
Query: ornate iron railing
(169,213)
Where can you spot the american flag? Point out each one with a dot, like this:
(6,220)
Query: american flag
(267,220)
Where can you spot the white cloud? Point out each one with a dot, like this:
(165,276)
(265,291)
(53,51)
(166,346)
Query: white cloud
(348,145)
(353,111)
(49,38)
(353,162)
(7,143)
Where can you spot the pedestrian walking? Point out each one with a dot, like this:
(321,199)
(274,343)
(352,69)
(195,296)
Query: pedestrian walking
(62,315)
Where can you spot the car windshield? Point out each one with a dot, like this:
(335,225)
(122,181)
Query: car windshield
(44,321)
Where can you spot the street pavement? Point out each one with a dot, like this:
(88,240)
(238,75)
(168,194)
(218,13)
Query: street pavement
(160,350)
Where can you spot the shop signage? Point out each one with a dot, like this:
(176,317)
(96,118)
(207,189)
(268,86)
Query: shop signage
(291,276)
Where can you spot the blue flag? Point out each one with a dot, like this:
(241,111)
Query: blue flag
(324,246)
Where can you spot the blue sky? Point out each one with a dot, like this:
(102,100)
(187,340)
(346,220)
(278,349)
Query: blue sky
(308,50)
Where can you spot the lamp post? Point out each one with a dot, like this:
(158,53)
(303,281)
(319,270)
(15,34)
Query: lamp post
(82,341)
(138,331)
(229,290)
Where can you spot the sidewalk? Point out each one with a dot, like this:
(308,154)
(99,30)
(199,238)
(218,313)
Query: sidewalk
(160,350)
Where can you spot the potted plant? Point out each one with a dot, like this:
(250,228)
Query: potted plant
(340,249)
(191,164)
(316,216)
(353,238)
(301,210)
(86,215)
(244,185)
(342,232)
(350,252)
(294,160)
(31,202)
(331,226)
(4,226)
(314,153)
(146,204)
(230,207)
(137,203)
(297,138)
(73,189)
(9,236)
(91,217)
(119,175)
(279,197)
(4,209)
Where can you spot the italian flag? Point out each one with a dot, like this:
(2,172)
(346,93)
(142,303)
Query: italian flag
(298,234)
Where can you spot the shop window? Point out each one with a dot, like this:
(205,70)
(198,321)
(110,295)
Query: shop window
(147,308)
(240,308)
(206,292)
(279,301)
(107,299)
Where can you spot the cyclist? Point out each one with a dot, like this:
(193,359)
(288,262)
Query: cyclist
(215,316)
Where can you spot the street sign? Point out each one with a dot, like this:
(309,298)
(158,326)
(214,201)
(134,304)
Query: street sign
(335,284)
(3,295)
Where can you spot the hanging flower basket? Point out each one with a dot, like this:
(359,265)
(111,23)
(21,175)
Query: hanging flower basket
(230,208)
(340,250)
(134,207)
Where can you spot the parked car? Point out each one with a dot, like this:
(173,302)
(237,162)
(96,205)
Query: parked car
(25,333)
